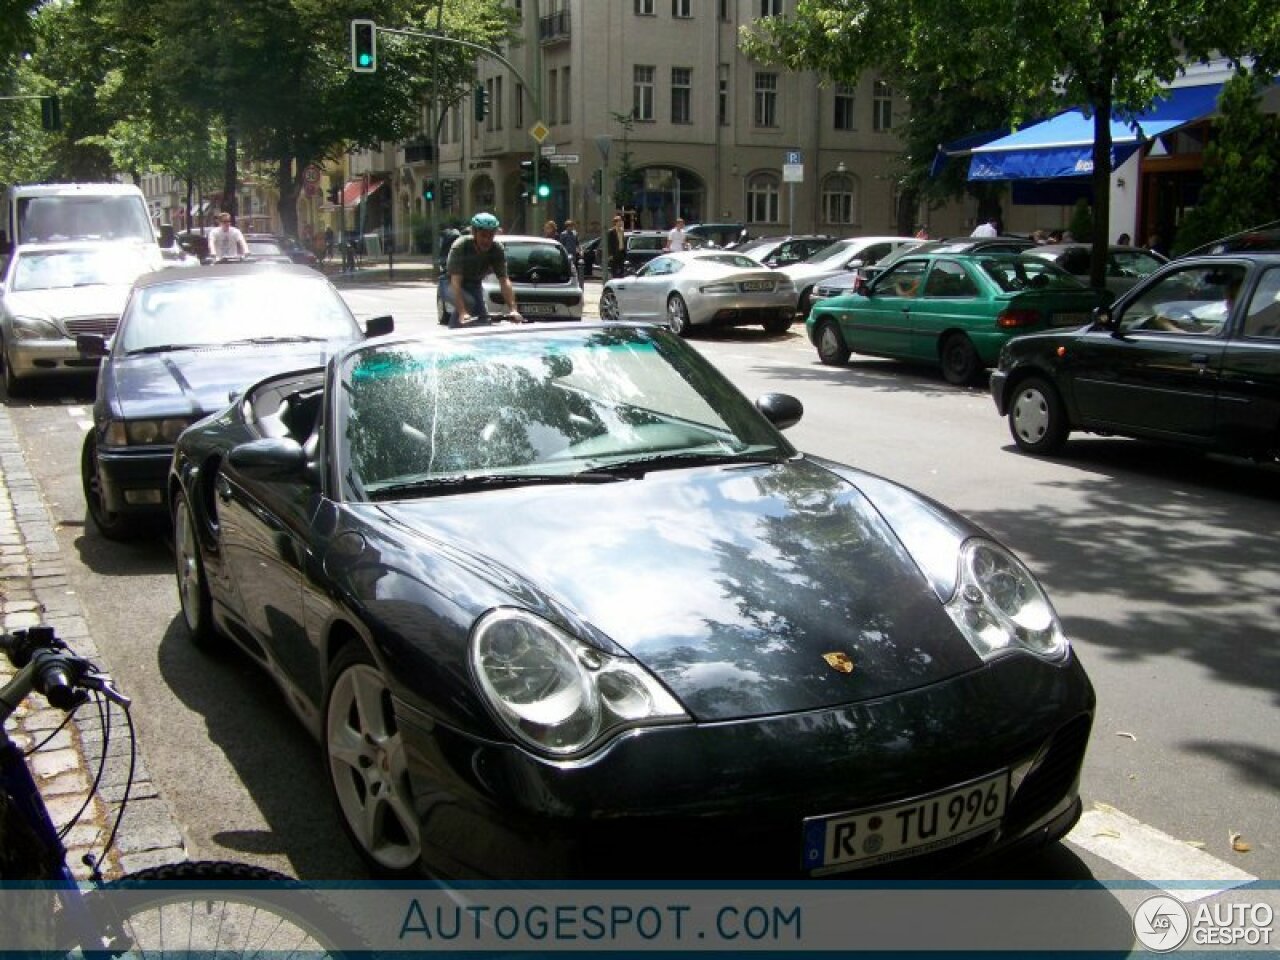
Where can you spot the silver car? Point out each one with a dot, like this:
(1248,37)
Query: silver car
(542,278)
(50,293)
(840,256)
(702,288)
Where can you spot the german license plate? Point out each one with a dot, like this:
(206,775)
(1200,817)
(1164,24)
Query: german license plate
(537,308)
(752,286)
(1070,319)
(853,840)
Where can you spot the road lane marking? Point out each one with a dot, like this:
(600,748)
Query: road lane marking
(1154,856)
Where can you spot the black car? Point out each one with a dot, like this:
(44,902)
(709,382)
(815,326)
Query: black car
(1189,356)
(560,602)
(189,339)
(642,246)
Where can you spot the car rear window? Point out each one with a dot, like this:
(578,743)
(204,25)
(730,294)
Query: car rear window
(547,260)
(1015,274)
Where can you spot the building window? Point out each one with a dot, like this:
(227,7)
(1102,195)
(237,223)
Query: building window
(722,96)
(881,106)
(844,104)
(642,93)
(840,200)
(644,8)
(770,8)
(682,8)
(495,104)
(519,106)
(553,101)
(566,114)
(766,100)
(762,199)
(681,95)
(724,10)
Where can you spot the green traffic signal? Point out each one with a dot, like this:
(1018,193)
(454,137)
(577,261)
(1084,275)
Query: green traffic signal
(364,46)
(544,190)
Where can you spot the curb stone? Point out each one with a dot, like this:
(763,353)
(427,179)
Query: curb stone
(34,589)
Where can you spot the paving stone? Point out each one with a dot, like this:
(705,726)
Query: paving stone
(50,763)
(147,825)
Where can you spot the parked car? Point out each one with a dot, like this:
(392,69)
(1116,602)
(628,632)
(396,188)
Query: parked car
(642,246)
(841,285)
(545,282)
(1125,265)
(188,339)
(52,292)
(279,248)
(838,257)
(194,243)
(1190,356)
(951,309)
(702,288)
(723,235)
(1003,243)
(1264,238)
(594,612)
(783,251)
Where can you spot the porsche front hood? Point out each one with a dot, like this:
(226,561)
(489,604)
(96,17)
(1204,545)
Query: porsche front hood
(746,590)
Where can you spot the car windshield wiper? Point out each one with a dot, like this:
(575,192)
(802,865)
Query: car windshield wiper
(168,347)
(428,486)
(299,338)
(677,459)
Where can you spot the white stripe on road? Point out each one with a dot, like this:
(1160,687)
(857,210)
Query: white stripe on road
(1153,856)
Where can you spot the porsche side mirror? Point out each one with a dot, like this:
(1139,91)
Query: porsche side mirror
(272,458)
(380,326)
(91,344)
(1102,318)
(780,409)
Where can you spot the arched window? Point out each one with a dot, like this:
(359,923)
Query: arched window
(840,199)
(762,198)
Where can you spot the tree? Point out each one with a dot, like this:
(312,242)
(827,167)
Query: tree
(1103,56)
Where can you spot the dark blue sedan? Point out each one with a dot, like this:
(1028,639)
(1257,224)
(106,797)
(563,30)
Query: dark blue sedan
(187,342)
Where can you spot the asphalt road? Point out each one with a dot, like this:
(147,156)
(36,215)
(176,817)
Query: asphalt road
(1163,565)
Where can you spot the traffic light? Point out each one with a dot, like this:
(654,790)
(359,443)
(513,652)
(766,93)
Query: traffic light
(50,113)
(597,181)
(446,194)
(526,180)
(364,46)
(481,101)
(429,191)
(544,190)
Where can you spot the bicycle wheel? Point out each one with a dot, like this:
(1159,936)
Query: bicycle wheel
(216,909)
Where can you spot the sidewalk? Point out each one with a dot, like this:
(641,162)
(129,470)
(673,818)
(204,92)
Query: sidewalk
(34,589)
(400,268)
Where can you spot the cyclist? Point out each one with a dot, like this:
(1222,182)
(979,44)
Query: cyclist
(470,259)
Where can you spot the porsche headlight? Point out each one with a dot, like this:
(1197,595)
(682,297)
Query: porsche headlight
(557,694)
(999,606)
(141,433)
(33,328)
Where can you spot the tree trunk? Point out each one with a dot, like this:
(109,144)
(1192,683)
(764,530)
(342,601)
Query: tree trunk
(908,201)
(287,183)
(1101,189)
(230,195)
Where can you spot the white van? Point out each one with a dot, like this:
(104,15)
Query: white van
(59,212)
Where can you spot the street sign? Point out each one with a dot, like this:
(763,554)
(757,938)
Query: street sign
(563,159)
(793,173)
(547,149)
(311,174)
(794,156)
(539,131)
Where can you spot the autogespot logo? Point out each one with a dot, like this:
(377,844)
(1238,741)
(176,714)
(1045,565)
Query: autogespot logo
(1161,924)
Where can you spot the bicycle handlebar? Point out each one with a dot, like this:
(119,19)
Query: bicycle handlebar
(46,665)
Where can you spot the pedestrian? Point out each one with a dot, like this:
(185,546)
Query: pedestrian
(922,232)
(227,242)
(573,247)
(617,247)
(328,243)
(986,229)
(1123,240)
(471,258)
(550,231)
(676,239)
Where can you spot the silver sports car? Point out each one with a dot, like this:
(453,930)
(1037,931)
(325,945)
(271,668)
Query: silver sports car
(702,288)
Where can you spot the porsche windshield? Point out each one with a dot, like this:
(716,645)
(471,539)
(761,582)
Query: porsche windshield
(544,406)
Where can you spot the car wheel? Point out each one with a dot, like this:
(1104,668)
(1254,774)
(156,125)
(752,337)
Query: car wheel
(778,324)
(678,316)
(367,763)
(193,589)
(442,312)
(111,525)
(1037,418)
(960,362)
(805,303)
(13,387)
(609,307)
(832,350)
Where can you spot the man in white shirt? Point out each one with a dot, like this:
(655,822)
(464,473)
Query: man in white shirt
(226,240)
(675,237)
(987,229)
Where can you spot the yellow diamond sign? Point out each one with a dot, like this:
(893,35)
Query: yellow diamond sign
(539,131)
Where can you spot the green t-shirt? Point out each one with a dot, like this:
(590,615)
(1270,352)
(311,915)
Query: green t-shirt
(466,259)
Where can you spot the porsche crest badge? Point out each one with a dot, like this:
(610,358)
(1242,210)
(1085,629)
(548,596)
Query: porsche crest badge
(839,661)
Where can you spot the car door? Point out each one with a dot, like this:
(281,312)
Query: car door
(1157,371)
(1248,409)
(643,296)
(880,322)
(947,302)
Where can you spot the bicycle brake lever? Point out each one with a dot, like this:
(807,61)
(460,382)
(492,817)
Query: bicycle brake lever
(103,685)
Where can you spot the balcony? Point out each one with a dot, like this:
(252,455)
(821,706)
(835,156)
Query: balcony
(554,28)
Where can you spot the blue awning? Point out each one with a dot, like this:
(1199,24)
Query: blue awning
(1062,146)
(963,147)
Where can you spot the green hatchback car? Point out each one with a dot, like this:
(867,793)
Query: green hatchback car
(951,309)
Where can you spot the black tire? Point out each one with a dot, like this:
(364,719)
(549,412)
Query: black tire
(193,587)
(13,387)
(805,303)
(110,525)
(779,324)
(832,350)
(208,908)
(678,316)
(1037,417)
(365,757)
(960,361)
(609,307)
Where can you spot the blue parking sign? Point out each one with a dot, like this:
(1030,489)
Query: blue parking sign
(794,156)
